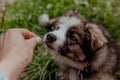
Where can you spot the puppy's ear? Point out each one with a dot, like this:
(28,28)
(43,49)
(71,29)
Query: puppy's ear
(95,37)
(44,20)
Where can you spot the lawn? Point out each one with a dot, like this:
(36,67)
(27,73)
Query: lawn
(25,14)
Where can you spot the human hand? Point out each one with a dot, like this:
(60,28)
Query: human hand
(16,51)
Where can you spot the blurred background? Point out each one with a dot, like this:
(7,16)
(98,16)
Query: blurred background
(25,14)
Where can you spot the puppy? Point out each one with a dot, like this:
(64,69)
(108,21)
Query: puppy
(82,50)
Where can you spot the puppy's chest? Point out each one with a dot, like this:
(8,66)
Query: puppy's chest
(68,73)
(73,75)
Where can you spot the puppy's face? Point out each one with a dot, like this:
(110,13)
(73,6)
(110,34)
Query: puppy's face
(73,38)
(65,39)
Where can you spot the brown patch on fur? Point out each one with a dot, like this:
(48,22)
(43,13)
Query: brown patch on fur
(68,61)
(98,39)
(78,53)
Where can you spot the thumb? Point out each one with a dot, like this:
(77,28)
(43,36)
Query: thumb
(32,42)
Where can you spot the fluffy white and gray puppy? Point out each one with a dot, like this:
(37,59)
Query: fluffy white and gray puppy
(83,50)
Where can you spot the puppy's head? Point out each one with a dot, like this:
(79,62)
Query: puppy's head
(74,38)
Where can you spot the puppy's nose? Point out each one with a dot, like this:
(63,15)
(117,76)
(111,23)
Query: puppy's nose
(50,37)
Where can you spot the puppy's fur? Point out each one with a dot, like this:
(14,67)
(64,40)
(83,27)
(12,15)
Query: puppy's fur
(83,50)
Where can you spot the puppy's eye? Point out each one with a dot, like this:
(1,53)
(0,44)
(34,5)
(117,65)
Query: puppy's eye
(73,38)
(57,27)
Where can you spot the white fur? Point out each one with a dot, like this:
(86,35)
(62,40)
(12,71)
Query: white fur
(69,21)
(43,19)
(64,23)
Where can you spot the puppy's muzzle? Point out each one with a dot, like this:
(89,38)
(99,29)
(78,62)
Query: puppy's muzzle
(50,38)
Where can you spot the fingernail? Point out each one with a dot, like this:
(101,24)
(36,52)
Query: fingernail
(38,39)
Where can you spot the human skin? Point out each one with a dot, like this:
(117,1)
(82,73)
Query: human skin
(16,51)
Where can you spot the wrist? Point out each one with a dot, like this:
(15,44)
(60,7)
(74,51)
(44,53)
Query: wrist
(10,69)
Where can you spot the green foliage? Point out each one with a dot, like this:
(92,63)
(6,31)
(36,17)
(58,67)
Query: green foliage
(41,68)
(25,14)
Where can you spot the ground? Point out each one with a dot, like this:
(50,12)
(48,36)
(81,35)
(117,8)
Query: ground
(25,14)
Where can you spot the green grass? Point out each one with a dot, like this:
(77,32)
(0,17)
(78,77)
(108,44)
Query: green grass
(25,14)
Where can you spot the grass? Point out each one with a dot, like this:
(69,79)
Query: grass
(25,14)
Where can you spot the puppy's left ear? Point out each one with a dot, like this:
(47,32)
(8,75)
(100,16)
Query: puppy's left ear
(95,37)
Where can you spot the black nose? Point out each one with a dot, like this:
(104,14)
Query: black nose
(50,38)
